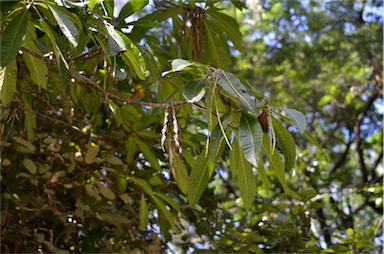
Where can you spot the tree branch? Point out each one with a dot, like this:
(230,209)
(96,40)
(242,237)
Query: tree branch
(357,130)
(106,92)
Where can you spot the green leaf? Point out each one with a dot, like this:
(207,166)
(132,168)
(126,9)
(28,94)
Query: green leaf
(12,38)
(115,37)
(199,178)
(181,173)
(245,177)
(92,152)
(261,170)
(92,191)
(138,32)
(37,68)
(232,84)
(195,90)
(217,47)
(68,22)
(105,191)
(28,146)
(229,25)
(143,214)
(275,161)
(131,7)
(113,160)
(297,119)
(92,3)
(113,218)
(30,166)
(287,143)
(143,184)
(130,59)
(30,119)
(8,80)
(180,64)
(314,141)
(250,136)
(149,155)
(61,62)
(169,200)
(163,211)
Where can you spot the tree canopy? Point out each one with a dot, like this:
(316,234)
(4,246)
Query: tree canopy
(191,126)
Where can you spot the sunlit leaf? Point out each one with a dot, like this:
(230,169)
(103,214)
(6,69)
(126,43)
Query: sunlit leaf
(68,22)
(131,7)
(194,91)
(8,79)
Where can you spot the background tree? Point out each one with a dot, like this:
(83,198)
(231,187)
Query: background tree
(128,131)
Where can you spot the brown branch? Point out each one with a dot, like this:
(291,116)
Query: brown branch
(341,159)
(106,92)
(357,130)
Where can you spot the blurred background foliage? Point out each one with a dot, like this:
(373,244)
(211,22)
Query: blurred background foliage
(67,149)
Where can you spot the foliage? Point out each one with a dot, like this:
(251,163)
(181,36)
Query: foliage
(137,136)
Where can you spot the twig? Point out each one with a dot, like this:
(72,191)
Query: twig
(106,92)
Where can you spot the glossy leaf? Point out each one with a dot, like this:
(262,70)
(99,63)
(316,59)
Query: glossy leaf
(199,178)
(194,91)
(297,119)
(8,79)
(287,143)
(12,38)
(68,23)
(114,38)
(250,136)
(275,161)
(143,214)
(245,177)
